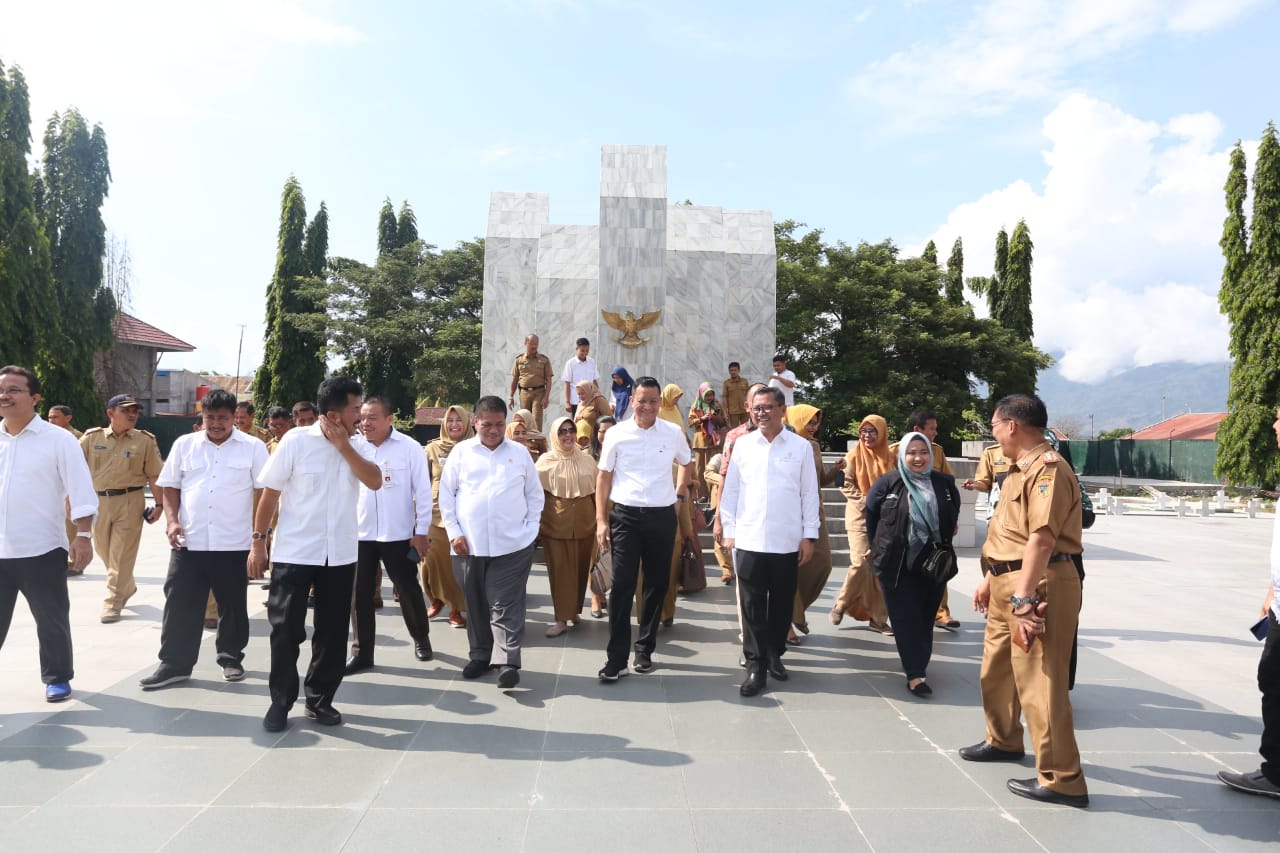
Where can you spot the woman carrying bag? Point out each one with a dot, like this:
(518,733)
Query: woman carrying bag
(912,514)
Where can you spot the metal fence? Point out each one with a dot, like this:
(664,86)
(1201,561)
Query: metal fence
(1185,461)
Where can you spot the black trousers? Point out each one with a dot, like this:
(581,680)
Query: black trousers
(287,614)
(642,539)
(192,574)
(404,577)
(42,581)
(913,604)
(1269,684)
(767,593)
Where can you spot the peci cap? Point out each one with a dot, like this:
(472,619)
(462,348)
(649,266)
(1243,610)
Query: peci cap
(122,400)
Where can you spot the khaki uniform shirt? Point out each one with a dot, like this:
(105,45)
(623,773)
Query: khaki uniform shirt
(263,435)
(734,397)
(122,461)
(530,373)
(992,466)
(1040,491)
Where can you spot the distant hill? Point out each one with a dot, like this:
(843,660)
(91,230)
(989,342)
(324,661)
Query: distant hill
(1133,398)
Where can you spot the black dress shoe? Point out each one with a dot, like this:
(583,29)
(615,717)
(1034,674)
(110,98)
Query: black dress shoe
(1033,790)
(986,752)
(163,677)
(277,718)
(325,715)
(355,664)
(642,663)
(475,669)
(777,670)
(922,689)
(753,683)
(422,650)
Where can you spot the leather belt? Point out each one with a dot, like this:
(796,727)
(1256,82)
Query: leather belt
(534,388)
(1003,568)
(112,493)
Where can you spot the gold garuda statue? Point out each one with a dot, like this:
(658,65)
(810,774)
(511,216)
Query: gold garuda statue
(631,326)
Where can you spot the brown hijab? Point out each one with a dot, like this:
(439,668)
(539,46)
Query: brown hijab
(867,464)
(566,473)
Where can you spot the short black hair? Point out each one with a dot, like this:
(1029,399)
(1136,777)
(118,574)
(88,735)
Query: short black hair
(334,392)
(61,409)
(735,364)
(605,419)
(917,419)
(582,342)
(647,382)
(382,402)
(782,357)
(220,400)
(490,403)
(278,412)
(33,381)
(1026,409)
(244,404)
(779,399)
(304,406)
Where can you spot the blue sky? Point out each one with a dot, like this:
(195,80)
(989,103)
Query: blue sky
(1104,124)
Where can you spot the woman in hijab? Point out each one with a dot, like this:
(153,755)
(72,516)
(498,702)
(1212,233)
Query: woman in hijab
(622,388)
(593,406)
(669,409)
(813,575)
(907,509)
(519,433)
(860,594)
(536,439)
(708,422)
(568,530)
(437,569)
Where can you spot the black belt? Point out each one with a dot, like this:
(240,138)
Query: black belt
(644,508)
(998,569)
(112,493)
(534,388)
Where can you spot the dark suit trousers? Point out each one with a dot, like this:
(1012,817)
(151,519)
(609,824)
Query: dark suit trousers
(404,577)
(192,575)
(42,580)
(913,604)
(642,539)
(1269,684)
(287,614)
(767,590)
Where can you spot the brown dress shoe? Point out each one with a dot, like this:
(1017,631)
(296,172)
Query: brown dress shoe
(434,610)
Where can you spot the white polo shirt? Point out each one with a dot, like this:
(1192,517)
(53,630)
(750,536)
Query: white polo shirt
(318,495)
(492,497)
(641,461)
(788,391)
(216,482)
(770,497)
(41,468)
(576,371)
(402,507)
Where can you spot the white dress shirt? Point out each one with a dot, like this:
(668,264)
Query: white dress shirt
(491,497)
(318,497)
(576,371)
(770,497)
(217,483)
(641,461)
(788,391)
(1275,565)
(41,468)
(402,507)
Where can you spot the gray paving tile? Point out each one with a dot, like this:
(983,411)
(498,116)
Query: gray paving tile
(840,731)
(163,777)
(33,775)
(627,831)
(383,829)
(213,728)
(442,733)
(1057,828)
(325,778)
(636,779)
(1173,781)
(103,829)
(460,781)
(732,830)
(578,728)
(901,780)
(735,780)
(1230,830)
(266,830)
(756,725)
(934,826)
(382,729)
(77,735)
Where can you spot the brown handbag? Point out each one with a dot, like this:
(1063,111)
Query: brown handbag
(693,572)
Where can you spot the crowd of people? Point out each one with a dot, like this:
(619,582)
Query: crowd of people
(331,494)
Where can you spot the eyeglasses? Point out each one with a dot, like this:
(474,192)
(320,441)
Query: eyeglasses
(868,432)
(997,421)
(13,392)
(761,410)
(566,431)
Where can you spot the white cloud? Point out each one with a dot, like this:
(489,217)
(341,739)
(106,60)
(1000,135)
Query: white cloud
(1012,51)
(1126,228)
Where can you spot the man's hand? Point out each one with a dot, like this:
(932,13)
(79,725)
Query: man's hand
(728,544)
(81,553)
(336,433)
(257,563)
(153,515)
(459,546)
(176,535)
(982,595)
(421,543)
(1030,624)
(806,551)
(972,485)
(839,464)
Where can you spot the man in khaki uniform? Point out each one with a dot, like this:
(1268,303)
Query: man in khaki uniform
(993,467)
(1030,591)
(734,398)
(122,460)
(246,424)
(61,416)
(531,373)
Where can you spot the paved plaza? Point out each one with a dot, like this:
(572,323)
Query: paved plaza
(839,758)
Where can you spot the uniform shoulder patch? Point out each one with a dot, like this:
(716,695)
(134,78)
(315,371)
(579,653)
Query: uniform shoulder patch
(1044,482)
(1051,457)
(147,434)
(94,429)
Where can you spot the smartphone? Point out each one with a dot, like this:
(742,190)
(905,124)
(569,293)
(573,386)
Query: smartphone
(412,555)
(1259,628)
(147,511)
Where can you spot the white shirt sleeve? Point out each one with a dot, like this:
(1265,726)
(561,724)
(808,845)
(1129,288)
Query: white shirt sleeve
(420,478)
(449,478)
(729,502)
(78,481)
(278,468)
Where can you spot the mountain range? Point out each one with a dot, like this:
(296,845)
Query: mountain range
(1134,398)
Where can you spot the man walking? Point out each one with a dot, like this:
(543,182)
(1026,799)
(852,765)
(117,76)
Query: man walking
(42,471)
(635,474)
(532,377)
(392,521)
(769,515)
(209,481)
(580,368)
(491,505)
(318,470)
(123,460)
(734,398)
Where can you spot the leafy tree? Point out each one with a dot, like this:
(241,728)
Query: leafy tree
(1013,308)
(388,233)
(448,368)
(315,243)
(1113,434)
(930,253)
(1250,297)
(406,226)
(991,287)
(28,308)
(954,281)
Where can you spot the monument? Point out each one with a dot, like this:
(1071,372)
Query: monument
(671,291)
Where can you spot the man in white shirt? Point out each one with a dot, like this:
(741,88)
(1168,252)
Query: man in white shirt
(769,514)
(209,481)
(42,470)
(491,505)
(635,473)
(784,380)
(314,479)
(581,367)
(392,520)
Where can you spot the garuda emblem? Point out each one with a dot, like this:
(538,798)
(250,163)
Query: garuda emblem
(631,326)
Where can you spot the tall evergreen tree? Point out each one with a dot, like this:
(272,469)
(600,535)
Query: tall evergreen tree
(73,186)
(388,238)
(1250,297)
(991,287)
(28,310)
(1013,309)
(315,242)
(406,226)
(954,282)
(293,357)
(930,253)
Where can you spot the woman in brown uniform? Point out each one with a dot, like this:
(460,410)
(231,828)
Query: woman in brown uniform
(709,424)
(519,433)
(437,568)
(568,530)
(860,595)
(813,575)
(593,406)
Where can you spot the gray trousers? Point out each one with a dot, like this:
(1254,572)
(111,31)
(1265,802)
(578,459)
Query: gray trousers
(495,585)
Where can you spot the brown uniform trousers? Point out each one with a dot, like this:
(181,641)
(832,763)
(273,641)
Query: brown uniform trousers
(117,462)
(533,376)
(1040,491)
(811,578)
(860,594)
(734,400)
(568,533)
(436,568)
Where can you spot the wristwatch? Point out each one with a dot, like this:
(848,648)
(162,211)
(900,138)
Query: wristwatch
(83,534)
(257,536)
(1016,601)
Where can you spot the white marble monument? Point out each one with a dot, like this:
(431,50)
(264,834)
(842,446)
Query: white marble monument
(710,271)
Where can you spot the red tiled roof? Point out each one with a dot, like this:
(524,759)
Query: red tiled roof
(131,330)
(1192,426)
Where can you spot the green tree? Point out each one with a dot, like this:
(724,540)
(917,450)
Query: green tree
(954,282)
(991,286)
(70,191)
(1250,297)
(28,308)
(388,236)
(1013,309)
(293,356)
(315,243)
(930,253)
(406,226)
(1114,434)
(448,368)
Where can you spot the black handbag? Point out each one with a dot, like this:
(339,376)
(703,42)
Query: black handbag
(937,562)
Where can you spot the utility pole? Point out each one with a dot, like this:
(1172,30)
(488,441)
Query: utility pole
(238,349)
